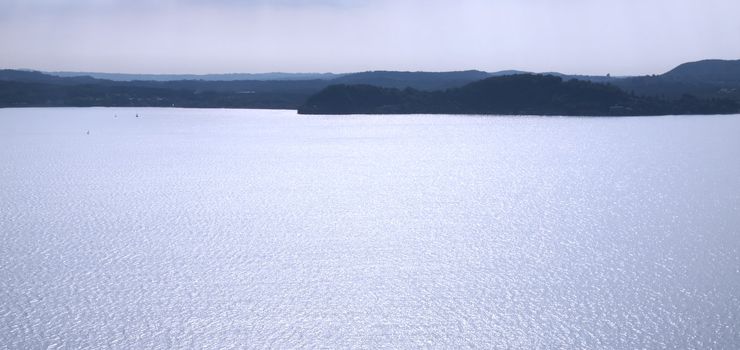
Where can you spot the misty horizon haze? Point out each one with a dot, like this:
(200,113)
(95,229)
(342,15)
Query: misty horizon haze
(340,36)
(334,73)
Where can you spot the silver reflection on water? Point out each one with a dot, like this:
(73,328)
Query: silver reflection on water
(246,228)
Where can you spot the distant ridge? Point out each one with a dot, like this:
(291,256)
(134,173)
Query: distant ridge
(400,79)
(715,71)
(522,94)
(703,80)
(208,77)
(418,80)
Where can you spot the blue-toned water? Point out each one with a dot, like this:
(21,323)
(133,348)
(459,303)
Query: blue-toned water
(266,229)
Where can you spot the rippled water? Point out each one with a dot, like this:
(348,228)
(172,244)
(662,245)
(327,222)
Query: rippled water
(239,228)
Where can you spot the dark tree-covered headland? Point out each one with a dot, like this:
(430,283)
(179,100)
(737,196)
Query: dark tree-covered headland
(523,94)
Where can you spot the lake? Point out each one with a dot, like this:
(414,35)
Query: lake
(265,229)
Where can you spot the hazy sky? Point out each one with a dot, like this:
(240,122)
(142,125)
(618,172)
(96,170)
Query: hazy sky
(219,36)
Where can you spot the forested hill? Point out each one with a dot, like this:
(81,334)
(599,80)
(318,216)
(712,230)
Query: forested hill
(204,77)
(524,94)
(29,88)
(710,71)
(705,80)
(33,89)
(416,80)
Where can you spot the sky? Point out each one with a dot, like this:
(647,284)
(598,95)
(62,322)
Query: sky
(618,37)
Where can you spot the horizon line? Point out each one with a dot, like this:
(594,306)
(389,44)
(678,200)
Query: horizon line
(357,71)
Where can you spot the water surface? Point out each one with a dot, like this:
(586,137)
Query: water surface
(249,228)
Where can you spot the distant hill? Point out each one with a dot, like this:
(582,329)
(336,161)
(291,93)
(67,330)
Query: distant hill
(49,90)
(19,88)
(442,80)
(416,80)
(35,89)
(524,94)
(705,80)
(393,78)
(708,71)
(207,77)
(38,77)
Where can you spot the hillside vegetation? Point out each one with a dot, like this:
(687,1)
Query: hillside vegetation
(524,94)
(708,86)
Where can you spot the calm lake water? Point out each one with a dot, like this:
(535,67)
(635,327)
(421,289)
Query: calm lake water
(252,228)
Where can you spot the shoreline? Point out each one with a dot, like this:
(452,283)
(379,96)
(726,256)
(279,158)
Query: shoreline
(378,114)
